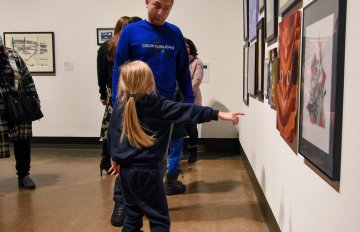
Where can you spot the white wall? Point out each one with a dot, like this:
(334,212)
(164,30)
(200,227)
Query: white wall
(70,99)
(300,200)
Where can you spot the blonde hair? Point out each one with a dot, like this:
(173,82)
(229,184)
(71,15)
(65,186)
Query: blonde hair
(136,81)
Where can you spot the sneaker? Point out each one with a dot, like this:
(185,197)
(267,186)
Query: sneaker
(118,215)
(26,182)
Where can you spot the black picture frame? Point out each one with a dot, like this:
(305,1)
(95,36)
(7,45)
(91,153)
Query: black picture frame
(285,5)
(271,20)
(252,70)
(104,34)
(260,59)
(321,105)
(246,19)
(245,73)
(37,49)
(253,16)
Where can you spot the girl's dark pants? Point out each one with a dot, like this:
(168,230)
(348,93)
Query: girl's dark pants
(143,189)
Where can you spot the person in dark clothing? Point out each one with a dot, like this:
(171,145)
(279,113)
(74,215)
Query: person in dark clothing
(140,127)
(105,64)
(15,75)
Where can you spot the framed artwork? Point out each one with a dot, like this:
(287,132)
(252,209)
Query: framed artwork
(260,60)
(245,74)
(261,5)
(285,5)
(272,77)
(252,70)
(246,19)
(286,91)
(322,80)
(253,18)
(271,19)
(36,48)
(104,34)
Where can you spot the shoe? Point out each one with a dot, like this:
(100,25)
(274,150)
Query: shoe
(26,182)
(118,215)
(193,155)
(172,185)
(105,164)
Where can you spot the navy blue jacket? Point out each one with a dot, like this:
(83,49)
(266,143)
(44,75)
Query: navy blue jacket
(156,113)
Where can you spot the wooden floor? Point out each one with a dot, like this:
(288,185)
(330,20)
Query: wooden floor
(71,196)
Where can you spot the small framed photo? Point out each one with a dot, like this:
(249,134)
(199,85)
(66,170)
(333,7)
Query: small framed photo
(104,34)
(271,20)
(35,48)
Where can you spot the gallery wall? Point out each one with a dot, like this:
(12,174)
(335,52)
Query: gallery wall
(70,99)
(301,199)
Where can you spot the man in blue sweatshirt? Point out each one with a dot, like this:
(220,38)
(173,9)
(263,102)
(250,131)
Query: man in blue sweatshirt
(161,45)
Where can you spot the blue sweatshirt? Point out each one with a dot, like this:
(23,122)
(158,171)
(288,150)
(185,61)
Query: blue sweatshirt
(163,49)
(156,114)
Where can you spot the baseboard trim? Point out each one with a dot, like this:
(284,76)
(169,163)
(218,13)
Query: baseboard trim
(264,205)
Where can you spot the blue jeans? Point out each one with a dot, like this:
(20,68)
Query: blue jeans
(175,154)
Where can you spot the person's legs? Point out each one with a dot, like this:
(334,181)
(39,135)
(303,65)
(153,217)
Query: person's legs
(193,142)
(105,163)
(132,185)
(23,159)
(172,185)
(119,212)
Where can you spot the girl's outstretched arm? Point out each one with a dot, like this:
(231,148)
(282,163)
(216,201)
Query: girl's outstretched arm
(230,116)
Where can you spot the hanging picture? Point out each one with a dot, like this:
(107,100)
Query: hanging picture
(36,48)
(261,5)
(104,34)
(271,19)
(272,76)
(260,59)
(252,70)
(245,74)
(245,19)
(289,50)
(285,5)
(322,85)
(253,18)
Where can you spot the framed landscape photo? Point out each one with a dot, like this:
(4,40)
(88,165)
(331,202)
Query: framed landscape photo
(245,74)
(271,19)
(285,5)
(104,34)
(246,19)
(322,80)
(36,48)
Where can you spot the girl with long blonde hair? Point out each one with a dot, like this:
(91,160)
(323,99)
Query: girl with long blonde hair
(139,132)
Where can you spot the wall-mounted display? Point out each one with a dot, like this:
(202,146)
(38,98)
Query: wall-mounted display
(253,18)
(289,50)
(36,48)
(261,5)
(252,70)
(104,34)
(285,5)
(272,76)
(245,74)
(322,85)
(271,19)
(260,60)
(245,19)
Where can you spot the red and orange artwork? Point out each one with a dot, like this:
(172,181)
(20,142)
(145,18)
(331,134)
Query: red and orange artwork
(286,92)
